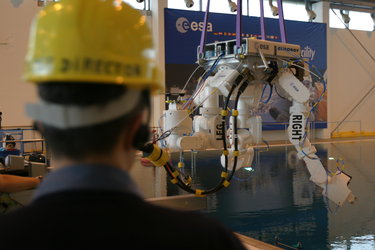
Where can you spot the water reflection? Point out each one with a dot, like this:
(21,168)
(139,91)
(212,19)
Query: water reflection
(274,198)
(365,242)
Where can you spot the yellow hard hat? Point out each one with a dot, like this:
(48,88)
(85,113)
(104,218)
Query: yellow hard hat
(96,41)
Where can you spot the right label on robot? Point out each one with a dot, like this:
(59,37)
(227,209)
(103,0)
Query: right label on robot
(296,128)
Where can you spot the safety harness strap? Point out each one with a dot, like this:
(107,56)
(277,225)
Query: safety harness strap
(281,21)
(262,23)
(238,26)
(204,31)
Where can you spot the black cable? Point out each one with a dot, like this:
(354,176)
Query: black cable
(223,131)
(240,80)
(220,185)
(169,169)
(275,70)
(229,95)
(241,89)
(237,82)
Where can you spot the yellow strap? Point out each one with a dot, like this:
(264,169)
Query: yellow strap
(180,164)
(226,183)
(241,56)
(340,161)
(155,153)
(188,180)
(234,112)
(224,112)
(224,174)
(225,152)
(236,153)
(174,181)
(158,156)
(162,160)
(175,174)
(198,192)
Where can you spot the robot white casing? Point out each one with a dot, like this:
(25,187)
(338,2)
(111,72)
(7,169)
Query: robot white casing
(205,131)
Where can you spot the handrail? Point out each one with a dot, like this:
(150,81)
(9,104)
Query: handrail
(25,140)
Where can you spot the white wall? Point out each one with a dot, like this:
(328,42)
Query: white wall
(15,20)
(351,73)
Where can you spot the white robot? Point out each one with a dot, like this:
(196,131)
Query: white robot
(240,78)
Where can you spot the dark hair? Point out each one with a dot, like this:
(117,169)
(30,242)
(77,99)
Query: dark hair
(9,140)
(76,143)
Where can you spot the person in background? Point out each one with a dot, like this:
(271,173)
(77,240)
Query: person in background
(8,148)
(11,184)
(94,66)
(9,143)
(14,183)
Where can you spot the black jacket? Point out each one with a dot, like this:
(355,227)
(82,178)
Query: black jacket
(109,220)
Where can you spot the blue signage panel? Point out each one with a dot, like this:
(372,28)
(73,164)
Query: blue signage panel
(182,36)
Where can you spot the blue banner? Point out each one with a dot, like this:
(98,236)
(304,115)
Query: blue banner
(182,37)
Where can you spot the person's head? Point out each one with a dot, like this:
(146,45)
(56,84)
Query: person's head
(94,66)
(9,143)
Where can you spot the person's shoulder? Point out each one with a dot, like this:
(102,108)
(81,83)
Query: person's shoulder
(197,230)
(210,232)
(11,218)
(190,216)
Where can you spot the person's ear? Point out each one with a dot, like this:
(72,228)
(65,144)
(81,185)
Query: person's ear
(131,132)
(141,137)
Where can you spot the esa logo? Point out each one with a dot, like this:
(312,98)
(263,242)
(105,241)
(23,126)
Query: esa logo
(183,25)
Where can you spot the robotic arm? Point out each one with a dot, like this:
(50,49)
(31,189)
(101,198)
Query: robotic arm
(241,78)
(335,185)
(208,129)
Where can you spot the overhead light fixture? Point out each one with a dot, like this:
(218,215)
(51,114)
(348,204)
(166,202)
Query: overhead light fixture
(189,3)
(310,12)
(345,16)
(232,6)
(274,9)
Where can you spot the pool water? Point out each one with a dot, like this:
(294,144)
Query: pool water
(274,198)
